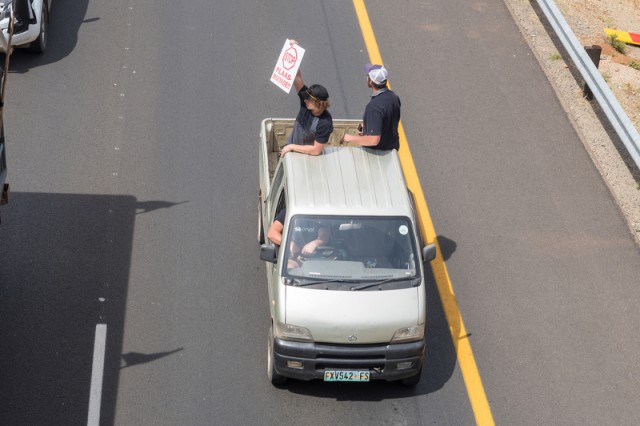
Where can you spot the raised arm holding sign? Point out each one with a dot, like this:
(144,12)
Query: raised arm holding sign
(314,123)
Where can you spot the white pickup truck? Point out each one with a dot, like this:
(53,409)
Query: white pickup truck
(354,309)
(35,34)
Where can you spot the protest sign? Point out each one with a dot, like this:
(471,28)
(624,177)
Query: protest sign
(287,66)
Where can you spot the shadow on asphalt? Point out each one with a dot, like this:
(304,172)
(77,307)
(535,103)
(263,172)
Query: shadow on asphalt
(64,267)
(447,247)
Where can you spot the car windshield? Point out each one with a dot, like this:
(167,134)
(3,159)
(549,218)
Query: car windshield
(344,250)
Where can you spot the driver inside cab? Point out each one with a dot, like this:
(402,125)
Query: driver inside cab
(307,236)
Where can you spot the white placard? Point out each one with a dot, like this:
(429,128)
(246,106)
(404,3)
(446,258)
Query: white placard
(287,66)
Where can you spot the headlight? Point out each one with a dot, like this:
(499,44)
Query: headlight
(408,334)
(293,332)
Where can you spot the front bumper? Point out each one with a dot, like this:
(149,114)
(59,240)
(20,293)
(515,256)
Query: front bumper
(21,39)
(381,360)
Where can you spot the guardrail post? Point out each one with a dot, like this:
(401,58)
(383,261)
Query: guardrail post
(594,53)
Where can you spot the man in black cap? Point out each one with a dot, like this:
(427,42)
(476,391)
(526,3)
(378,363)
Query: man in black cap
(379,129)
(314,124)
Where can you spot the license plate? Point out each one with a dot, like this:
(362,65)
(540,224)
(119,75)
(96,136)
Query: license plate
(346,376)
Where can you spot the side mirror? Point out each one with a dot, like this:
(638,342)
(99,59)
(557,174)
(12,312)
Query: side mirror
(429,252)
(269,253)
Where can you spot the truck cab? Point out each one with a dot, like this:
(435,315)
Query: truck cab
(355,308)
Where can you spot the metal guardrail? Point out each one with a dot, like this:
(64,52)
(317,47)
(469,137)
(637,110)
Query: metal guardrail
(601,91)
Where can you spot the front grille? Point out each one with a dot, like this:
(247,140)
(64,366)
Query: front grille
(351,356)
(357,366)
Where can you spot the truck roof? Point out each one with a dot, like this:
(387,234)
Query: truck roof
(347,180)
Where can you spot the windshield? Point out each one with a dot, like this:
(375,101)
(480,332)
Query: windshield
(350,250)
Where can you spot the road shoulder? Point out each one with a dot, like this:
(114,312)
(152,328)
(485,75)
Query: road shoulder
(607,152)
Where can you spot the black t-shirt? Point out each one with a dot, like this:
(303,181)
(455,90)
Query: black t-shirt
(381,117)
(305,118)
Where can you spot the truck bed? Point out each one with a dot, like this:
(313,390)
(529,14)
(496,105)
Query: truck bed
(276,131)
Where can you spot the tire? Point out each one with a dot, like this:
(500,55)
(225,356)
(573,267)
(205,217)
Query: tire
(39,45)
(275,378)
(413,380)
(260,227)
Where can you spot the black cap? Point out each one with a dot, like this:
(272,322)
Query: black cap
(317,92)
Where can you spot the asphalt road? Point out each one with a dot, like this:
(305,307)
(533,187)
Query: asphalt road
(132,155)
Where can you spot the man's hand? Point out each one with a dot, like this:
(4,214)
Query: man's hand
(349,137)
(310,248)
(286,149)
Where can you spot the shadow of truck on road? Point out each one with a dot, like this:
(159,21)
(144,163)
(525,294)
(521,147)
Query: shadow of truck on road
(64,267)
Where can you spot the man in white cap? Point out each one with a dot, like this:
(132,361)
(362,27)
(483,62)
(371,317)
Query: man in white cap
(379,128)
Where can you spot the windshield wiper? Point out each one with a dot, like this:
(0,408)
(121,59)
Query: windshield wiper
(298,282)
(414,283)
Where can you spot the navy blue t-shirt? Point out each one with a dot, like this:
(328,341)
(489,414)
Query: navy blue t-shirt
(305,119)
(381,117)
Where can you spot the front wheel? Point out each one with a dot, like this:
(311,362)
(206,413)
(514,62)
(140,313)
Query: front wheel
(39,45)
(272,374)
(413,380)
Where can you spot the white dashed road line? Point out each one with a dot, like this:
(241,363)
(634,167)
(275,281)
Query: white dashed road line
(97,373)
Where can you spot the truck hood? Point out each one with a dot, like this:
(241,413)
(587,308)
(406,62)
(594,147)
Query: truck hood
(342,316)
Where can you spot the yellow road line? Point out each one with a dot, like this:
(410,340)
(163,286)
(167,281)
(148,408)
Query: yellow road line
(470,373)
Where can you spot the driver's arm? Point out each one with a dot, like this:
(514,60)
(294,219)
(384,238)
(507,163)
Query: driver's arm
(323,239)
(275,232)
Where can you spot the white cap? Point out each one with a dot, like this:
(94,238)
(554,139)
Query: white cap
(377,73)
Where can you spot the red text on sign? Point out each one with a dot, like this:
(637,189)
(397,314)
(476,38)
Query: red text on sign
(289,58)
(283,73)
(285,83)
